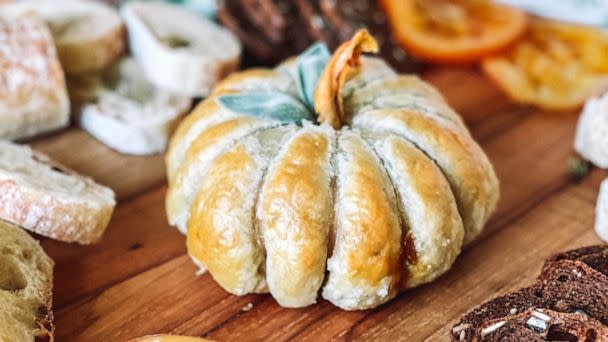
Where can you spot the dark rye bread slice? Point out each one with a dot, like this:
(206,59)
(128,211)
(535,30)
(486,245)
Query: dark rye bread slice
(565,285)
(542,325)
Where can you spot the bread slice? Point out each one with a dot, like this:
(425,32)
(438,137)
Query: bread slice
(49,199)
(33,95)
(542,325)
(129,114)
(591,140)
(89,35)
(26,282)
(601,212)
(179,51)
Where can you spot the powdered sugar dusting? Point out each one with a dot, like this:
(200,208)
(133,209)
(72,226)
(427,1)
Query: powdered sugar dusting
(27,54)
(33,95)
(51,201)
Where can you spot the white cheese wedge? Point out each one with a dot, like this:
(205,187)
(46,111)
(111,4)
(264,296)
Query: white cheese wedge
(591,139)
(601,212)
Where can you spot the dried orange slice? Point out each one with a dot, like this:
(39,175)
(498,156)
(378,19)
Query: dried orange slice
(556,66)
(454,31)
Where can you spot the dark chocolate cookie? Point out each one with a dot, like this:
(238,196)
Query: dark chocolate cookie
(542,325)
(564,285)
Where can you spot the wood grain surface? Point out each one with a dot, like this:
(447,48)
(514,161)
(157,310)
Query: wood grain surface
(138,280)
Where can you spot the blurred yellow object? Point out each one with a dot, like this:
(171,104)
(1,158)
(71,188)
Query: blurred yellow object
(169,338)
(556,66)
(454,31)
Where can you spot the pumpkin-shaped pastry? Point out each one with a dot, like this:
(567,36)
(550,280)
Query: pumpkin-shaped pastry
(328,174)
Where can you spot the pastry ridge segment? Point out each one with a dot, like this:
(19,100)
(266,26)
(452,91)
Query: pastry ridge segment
(294,216)
(364,267)
(221,233)
(463,162)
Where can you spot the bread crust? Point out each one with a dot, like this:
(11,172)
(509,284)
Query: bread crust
(34,299)
(87,56)
(89,35)
(33,94)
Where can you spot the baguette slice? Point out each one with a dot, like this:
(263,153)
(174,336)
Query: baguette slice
(89,35)
(26,281)
(129,114)
(49,199)
(33,95)
(179,51)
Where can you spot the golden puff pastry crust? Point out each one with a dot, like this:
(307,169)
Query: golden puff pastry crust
(377,196)
(364,267)
(210,143)
(222,234)
(463,162)
(294,214)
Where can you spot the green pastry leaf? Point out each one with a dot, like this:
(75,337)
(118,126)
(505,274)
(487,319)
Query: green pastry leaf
(310,67)
(275,105)
(281,106)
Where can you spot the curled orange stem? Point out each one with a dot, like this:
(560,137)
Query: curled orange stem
(343,64)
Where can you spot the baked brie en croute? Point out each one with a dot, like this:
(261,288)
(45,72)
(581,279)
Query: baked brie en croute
(328,174)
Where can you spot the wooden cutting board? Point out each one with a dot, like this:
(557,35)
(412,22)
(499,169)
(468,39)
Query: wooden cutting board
(138,280)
